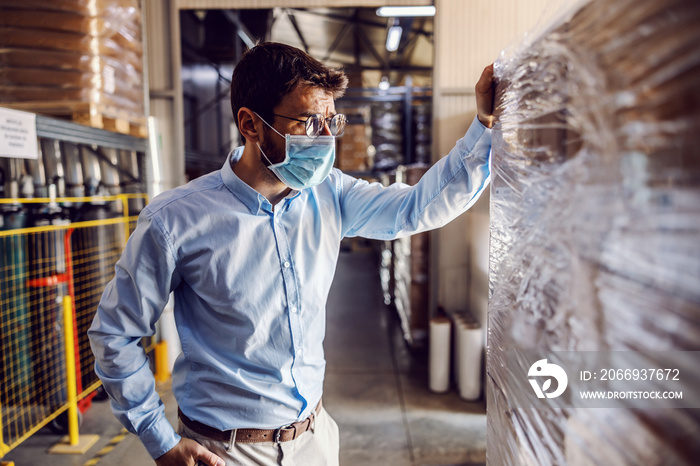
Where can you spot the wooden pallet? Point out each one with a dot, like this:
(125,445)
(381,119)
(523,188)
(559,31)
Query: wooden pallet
(126,124)
(93,115)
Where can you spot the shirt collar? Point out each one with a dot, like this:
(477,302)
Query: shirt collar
(249,196)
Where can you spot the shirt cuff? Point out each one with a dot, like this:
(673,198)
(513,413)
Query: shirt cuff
(160,438)
(477,140)
(477,129)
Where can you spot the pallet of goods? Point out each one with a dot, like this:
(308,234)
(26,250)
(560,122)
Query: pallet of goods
(75,59)
(594,251)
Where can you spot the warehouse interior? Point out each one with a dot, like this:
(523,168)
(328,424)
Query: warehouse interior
(585,245)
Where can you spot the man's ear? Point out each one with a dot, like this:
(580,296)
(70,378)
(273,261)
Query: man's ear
(247,124)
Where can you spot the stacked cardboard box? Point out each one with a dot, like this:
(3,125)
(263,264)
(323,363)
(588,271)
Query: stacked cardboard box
(412,272)
(354,146)
(74,58)
(595,231)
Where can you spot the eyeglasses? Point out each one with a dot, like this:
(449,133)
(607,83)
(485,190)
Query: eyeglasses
(315,124)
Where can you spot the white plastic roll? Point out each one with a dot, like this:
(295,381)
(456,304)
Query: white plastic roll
(456,319)
(469,351)
(439,354)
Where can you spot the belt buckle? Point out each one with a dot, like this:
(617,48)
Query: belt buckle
(278,433)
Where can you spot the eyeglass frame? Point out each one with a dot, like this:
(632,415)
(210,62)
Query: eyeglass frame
(327,121)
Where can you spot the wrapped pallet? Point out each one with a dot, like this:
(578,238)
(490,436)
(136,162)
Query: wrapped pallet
(595,236)
(79,59)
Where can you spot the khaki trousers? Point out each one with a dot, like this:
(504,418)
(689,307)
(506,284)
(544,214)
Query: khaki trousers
(319,446)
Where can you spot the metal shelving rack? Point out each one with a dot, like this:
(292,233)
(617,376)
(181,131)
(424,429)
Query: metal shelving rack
(405,281)
(68,131)
(408,95)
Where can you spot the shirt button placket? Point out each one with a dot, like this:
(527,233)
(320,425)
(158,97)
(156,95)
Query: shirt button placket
(292,296)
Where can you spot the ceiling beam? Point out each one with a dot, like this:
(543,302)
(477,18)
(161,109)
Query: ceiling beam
(242,31)
(370,47)
(399,68)
(293,20)
(338,39)
(361,22)
(408,49)
(356,46)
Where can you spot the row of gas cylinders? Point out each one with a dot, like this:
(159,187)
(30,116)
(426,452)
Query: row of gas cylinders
(38,268)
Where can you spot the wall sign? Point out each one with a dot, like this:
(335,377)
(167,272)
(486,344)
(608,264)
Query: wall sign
(18,134)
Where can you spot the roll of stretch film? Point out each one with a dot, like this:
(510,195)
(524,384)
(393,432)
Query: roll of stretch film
(439,354)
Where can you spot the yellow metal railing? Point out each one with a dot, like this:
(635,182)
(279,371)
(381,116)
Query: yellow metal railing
(56,256)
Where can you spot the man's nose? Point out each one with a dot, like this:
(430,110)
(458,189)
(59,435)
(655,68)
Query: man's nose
(326,131)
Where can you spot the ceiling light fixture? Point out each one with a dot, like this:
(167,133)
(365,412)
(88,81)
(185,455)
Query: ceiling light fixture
(396,11)
(393,38)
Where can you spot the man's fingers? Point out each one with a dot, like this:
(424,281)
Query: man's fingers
(485,83)
(189,452)
(485,91)
(209,458)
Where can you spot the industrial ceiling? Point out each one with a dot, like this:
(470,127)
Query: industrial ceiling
(354,38)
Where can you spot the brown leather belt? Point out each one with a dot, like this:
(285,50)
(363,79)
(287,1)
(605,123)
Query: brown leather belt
(283,434)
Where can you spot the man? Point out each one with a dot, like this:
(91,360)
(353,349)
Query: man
(250,252)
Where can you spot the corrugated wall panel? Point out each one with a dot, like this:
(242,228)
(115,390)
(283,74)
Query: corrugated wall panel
(159,62)
(452,118)
(163,52)
(470,34)
(231,4)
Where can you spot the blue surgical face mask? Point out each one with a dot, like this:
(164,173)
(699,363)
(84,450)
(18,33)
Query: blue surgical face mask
(307,161)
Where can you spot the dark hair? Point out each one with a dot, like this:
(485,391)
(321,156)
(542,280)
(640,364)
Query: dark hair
(270,70)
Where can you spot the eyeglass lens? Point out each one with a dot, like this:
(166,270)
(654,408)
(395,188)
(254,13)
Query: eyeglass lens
(315,123)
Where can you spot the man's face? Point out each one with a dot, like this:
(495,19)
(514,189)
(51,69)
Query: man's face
(301,103)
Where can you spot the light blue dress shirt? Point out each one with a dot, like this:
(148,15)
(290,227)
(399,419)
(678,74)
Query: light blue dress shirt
(250,286)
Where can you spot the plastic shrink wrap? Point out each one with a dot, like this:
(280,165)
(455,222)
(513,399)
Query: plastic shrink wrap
(595,223)
(76,58)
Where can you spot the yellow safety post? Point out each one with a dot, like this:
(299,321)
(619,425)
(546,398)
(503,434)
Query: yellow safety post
(125,207)
(8,463)
(73,443)
(3,447)
(161,354)
(70,371)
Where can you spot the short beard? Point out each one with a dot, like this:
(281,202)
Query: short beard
(272,153)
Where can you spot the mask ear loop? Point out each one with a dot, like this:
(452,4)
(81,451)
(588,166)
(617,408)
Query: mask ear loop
(263,153)
(258,144)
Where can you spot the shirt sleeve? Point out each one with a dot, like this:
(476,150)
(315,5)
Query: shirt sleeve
(444,192)
(130,306)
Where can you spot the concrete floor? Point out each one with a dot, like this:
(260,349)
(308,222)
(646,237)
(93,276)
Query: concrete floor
(375,389)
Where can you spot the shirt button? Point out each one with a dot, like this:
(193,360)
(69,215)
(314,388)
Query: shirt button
(286,265)
(294,309)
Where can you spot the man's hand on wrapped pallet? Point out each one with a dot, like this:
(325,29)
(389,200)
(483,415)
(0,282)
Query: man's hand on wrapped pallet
(485,90)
